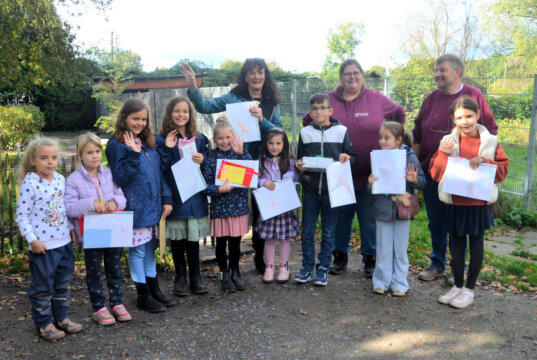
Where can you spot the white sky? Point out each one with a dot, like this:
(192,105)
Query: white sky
(290,32)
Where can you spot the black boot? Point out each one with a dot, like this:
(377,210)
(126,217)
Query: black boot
(369,266)
(339,264)
(259,247)
(178,253)
(193,256)
(145,301)
(235,275)
(226,283)
(152,283)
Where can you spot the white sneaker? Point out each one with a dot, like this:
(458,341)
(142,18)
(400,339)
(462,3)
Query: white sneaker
(450,295)
(465,298)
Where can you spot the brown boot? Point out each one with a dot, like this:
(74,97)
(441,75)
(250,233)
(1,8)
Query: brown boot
(69,326)
(51,333)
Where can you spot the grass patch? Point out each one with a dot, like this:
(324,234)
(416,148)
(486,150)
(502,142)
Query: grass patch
(524,254)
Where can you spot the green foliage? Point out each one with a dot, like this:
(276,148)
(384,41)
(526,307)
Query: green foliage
(18,124)
(341,43)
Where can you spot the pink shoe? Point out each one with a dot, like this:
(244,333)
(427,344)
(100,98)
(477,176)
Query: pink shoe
(121,313)
(268,277)
(103,317)
(283,275)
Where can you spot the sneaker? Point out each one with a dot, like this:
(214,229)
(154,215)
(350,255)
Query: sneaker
(430,274)
(463,299)
(103,317)
(369,266)
(398,293)
(51,333)
(268,277)
(283,275)
(121,313)
(378,290)
(69,326)
(450,295)
(321,276)
(304,276)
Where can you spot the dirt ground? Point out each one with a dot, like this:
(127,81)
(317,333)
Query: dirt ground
(340,321)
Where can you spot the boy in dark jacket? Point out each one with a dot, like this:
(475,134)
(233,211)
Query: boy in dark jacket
(325,138)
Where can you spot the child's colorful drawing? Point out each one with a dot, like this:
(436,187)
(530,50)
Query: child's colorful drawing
(244,124)
(108,230)
(278,201)
(240,173)
(340,186)
(460,179)
(188,178)
(389,167)
(187,148)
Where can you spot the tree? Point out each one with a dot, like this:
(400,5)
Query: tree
(341,43)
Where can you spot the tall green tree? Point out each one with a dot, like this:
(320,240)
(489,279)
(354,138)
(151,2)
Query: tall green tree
(341,43)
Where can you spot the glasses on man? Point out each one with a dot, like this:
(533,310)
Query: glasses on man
(440,125)
(350,74)
(319,109)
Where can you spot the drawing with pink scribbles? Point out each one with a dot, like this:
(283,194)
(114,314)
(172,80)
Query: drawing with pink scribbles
(340,186)
(244,124)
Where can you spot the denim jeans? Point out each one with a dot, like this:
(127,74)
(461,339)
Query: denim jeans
(50,288)
(436,213)
(312,204)
(142,262)
(94,276)
(365,210)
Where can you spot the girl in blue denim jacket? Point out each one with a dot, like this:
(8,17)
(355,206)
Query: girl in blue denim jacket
(276,163)
(136,168)
(229,206)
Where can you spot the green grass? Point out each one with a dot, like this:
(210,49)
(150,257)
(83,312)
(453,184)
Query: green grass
(524,254)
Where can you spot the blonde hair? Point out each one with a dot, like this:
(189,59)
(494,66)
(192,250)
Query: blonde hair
(82,141)
(221,124)
(32,148)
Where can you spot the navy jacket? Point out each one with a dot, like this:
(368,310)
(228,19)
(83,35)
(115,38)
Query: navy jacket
(233,203)
(195,206)
(140,177)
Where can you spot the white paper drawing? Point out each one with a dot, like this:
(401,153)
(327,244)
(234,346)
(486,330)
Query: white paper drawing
(317,163)
(187,148)
(240,173)
(188,177)
(244,124)
(278,201)
(340,186)
(108,230)
(460,179)
(389,167)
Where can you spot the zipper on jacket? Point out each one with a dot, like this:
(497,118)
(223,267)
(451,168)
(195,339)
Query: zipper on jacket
(322,155)
(154,174)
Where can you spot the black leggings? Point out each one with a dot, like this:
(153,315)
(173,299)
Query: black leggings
(234,252)
(476,259)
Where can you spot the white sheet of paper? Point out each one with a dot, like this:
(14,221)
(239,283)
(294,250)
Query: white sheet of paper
(340,185)
(244,124)
(188,178)
(187,148)
(389,167)
(460,179)
(278,201)
(254,164)
(108,230)
(317,163)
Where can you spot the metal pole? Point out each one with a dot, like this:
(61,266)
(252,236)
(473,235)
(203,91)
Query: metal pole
(530,164)
(293,114)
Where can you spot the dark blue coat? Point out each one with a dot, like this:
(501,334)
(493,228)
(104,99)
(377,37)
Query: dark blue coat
(140,177)
(233,203)
(196,206)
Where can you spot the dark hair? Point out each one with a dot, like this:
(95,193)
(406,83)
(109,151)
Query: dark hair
(348,62)
(285,156)
(167,123)
(131,106)
(269,92)
(455,62)
(464,102)
(398,131)
(320,98)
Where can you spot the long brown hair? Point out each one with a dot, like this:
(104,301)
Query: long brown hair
(167,123)
(131,106)
(285,157)
(398,131)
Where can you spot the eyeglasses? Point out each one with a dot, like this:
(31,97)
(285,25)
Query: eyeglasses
(349,74)
(319,109)
(438,127)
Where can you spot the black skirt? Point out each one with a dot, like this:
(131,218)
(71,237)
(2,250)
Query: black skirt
(468,220)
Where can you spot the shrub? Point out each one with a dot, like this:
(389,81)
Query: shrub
(18,124)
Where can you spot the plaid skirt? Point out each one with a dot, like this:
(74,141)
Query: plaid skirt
(280,227)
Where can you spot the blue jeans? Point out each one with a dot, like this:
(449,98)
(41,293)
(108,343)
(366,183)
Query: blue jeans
(365,210)
(94,276)
(436,213)
(50,291)
(142,262)
(311,205)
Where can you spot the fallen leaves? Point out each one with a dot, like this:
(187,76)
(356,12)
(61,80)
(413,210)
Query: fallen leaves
(302,312)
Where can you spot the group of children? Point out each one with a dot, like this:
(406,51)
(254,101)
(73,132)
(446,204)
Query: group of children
(140,180)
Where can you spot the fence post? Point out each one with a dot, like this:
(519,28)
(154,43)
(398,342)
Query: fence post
(293,114)
(530,162)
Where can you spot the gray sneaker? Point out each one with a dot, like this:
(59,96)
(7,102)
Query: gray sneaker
(430,274)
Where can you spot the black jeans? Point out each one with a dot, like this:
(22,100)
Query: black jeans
(476,259)
(94,276)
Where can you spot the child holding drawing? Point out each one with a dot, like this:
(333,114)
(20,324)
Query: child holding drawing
(91,188)
(229,206)
(464,215)
(276,163)
(391,268)
(135,166)
(188,221)
(43,222)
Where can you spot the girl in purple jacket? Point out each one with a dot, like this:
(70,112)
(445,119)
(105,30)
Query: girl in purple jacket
(276,163)
(91,188)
